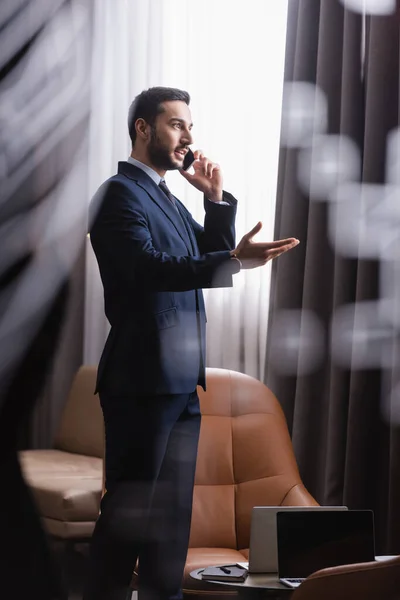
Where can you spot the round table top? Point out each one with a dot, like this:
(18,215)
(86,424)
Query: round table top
(266,581)
(253,580)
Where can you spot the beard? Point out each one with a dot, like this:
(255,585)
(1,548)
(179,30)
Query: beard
(160,155)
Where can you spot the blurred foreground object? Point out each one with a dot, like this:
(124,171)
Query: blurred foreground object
(44,110)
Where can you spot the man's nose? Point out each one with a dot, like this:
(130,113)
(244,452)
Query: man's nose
(187,137)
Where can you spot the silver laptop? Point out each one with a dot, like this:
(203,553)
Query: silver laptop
(308,542)
(263,550)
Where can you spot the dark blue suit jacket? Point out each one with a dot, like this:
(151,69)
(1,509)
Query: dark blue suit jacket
(153,260)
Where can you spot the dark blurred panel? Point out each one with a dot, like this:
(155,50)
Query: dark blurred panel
(45,51)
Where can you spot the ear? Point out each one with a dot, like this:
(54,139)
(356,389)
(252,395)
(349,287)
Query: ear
(142,129)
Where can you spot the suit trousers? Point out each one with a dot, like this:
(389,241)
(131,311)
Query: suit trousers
(151,450)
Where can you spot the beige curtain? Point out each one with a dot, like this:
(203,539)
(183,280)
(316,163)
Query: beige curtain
(226,55)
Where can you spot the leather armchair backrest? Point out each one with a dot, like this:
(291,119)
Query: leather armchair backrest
(245,459)
(367,581)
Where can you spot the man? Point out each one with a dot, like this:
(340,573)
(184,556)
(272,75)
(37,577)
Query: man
(154,259)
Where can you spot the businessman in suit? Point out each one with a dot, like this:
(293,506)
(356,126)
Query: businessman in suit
(154,260)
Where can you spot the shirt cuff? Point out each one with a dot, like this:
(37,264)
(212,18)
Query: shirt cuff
(228,199)
(221,202)
(238,264)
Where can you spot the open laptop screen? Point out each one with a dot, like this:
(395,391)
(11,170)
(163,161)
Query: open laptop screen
(263,550)
(309,541)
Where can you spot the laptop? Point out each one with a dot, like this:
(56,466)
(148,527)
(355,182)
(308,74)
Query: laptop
(263,549)
(309,541)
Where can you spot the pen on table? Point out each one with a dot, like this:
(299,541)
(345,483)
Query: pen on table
(225,569)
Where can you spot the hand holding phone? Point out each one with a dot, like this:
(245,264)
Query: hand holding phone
(206,175)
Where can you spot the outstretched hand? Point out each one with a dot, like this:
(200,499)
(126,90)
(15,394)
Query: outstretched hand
(256,254)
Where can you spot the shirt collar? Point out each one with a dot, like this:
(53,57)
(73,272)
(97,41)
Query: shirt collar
(148,170)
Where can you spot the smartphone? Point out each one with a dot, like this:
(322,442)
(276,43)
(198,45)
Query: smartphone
(188,160)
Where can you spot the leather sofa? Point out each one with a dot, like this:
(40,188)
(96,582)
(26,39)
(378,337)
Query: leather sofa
(67,479)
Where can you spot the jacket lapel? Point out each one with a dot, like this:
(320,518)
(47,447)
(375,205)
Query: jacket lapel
(157,196)
(192,237)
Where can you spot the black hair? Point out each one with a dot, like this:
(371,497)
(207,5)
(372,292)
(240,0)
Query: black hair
(148,104)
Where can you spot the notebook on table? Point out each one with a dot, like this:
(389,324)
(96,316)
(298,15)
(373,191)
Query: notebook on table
(231,573)
(263,550)
(308,542)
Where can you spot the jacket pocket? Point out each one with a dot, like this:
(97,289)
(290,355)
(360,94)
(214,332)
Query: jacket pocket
(166,318)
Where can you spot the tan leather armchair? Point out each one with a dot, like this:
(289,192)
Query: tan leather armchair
(67,480)
(245,459)
(366,581)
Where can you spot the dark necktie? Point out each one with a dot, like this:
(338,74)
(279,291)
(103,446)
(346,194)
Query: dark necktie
(170,197)
(166,191)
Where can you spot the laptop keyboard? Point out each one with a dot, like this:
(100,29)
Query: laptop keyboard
(292,582)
